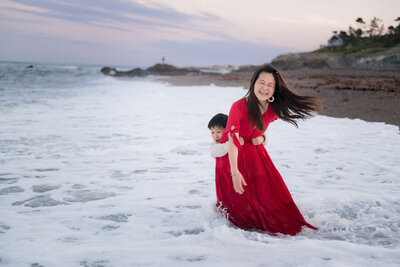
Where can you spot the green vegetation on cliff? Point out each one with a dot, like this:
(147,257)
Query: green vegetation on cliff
(363,39)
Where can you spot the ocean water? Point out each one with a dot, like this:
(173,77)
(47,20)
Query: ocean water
(97,171)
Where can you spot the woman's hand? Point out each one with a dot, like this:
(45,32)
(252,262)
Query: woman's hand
(258,140)
(241,141)
(238,182)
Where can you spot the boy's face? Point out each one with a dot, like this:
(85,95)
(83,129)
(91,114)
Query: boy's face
(216,133)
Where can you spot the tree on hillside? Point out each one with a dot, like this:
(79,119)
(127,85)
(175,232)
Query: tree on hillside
(360,20)
(360,30)
(392,30)
(374,28)
(361,37)
(393,36)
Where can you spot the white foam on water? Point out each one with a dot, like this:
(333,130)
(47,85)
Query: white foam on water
(119,174)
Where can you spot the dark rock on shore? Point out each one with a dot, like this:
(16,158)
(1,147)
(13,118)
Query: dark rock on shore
(157,69)
(116,73)
(165,69)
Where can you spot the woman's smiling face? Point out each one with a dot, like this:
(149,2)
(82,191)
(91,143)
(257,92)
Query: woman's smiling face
(264,87)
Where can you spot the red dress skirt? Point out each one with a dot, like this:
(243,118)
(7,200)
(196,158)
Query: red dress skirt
(266,203)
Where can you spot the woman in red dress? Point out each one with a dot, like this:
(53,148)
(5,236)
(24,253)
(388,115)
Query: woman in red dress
(250,191)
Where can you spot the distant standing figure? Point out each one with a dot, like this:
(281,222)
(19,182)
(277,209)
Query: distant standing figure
(250,191)
(163,60)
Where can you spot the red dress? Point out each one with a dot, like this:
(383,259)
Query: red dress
(266,203)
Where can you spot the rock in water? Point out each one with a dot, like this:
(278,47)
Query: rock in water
(157,69)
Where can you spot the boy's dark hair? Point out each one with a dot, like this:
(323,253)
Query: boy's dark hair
(218,120)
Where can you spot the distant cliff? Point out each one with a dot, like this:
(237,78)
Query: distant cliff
(388,58)
(313,60)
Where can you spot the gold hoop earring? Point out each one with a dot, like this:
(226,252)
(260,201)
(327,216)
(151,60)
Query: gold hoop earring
(271,99)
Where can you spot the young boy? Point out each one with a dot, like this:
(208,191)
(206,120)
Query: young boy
(217,126)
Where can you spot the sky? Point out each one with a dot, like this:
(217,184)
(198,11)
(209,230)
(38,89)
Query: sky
(187,33)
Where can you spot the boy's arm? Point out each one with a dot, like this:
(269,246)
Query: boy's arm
(219,150)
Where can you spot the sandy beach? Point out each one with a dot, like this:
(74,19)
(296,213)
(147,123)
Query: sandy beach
(370,94)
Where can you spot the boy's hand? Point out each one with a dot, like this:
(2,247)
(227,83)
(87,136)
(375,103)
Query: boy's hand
(258,140)
(241,141)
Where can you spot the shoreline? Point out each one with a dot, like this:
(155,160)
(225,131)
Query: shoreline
(370,94)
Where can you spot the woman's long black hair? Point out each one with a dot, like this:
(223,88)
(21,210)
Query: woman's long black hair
(287,105)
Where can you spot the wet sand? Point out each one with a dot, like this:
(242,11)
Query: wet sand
(371,94)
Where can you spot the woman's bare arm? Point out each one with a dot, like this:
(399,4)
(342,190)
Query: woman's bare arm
(237,178)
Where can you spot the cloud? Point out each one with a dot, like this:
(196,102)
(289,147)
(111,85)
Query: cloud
(103,13)
(61,39)
(312,19)
(146,33)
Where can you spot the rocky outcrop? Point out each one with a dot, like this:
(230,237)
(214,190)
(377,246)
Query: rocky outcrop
(246,68)
(301,60)
(389,58)
(157,69)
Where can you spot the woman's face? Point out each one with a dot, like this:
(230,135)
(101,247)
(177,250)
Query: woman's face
(264,87)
